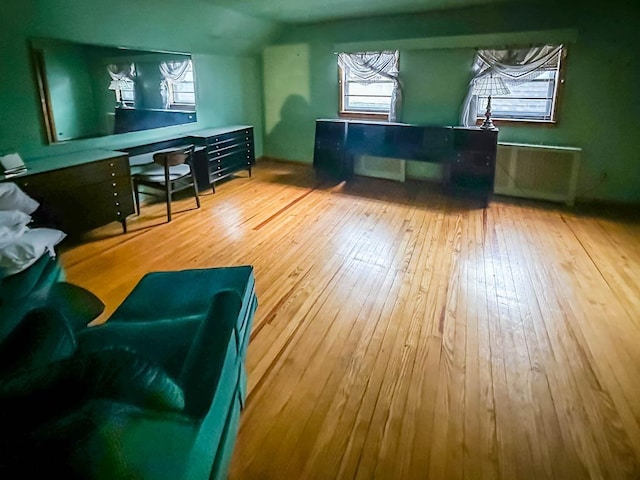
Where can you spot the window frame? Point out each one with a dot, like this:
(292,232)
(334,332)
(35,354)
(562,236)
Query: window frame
(182,105)
(357,114)
(556,99)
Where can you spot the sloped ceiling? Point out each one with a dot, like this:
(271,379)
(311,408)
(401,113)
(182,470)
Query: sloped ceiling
(309,11)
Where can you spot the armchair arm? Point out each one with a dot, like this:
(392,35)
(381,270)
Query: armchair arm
(209,348)
(163,342)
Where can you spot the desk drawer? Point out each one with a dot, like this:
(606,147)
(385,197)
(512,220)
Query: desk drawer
(215,152)
(238,136)
(87,174)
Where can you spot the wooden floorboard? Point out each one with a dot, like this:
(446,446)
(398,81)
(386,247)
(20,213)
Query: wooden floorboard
(404,334)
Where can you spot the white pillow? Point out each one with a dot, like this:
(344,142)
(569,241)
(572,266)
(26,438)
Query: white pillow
(13,223)
(12,198)
(29,247)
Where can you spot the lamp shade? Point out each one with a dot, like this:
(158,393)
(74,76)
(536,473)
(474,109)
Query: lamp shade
(490,85)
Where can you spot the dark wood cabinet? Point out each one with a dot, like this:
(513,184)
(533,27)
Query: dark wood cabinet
(227,150)
(329,151)
(468,154)
(80,191)
(472,169)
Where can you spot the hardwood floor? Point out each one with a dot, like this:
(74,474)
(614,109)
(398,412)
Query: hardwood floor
(402,334)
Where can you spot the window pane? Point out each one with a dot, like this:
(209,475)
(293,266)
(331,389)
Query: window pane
(372,89)
(368,104)
(183,87)
(186,97)
(528,101)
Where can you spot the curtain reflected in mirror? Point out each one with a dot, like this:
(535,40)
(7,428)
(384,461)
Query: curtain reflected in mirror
(91,91)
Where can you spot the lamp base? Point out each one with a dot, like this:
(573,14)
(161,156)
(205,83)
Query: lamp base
(488,124)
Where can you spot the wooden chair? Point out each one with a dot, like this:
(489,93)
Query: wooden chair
(171,171)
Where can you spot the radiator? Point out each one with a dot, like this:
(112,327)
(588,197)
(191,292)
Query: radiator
(537,171)
(380,167)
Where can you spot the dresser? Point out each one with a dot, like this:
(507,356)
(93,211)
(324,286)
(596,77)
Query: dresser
(468,154)
(227,150)
(80,191)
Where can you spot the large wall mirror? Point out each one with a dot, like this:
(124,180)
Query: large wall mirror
(90,91)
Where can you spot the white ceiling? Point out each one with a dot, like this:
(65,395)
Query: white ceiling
(308,11)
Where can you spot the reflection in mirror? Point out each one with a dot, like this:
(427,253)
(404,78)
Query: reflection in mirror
(91,91)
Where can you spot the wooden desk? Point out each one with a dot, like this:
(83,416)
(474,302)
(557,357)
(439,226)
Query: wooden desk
(469,154)
(225,150)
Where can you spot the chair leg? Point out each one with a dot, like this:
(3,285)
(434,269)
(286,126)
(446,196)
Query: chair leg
(136,196)
(167,183)
(195,188)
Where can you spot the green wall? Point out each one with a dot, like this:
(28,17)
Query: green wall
(225,45)
(596,112)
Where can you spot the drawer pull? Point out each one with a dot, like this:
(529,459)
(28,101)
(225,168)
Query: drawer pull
(115,194)
(113,174)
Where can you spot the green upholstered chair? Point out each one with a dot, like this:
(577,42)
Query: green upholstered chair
(154,393)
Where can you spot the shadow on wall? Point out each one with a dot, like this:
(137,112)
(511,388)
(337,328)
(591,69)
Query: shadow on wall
(297,121)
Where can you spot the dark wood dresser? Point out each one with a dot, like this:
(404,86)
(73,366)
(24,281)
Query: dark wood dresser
(80,191)
(468,154)
(228,150)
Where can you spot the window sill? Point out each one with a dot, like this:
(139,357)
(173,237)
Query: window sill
(514,121)
(364,115)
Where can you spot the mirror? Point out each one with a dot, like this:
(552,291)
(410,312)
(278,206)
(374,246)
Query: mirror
(90,91)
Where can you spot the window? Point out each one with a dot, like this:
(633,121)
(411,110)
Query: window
(125,93)
(367,82)
(123,82)
(534,100)
(183,93)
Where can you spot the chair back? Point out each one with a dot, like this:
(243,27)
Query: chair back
(174,157)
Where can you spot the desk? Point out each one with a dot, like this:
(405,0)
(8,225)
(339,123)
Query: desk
(219,154)
(468,154)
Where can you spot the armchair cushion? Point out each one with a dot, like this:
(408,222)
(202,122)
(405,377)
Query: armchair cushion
(30,397)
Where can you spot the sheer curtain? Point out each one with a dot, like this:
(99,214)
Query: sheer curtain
(172,72)
(514,66)
(367,66)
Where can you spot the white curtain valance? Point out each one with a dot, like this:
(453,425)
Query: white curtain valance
(367,67)
(515,66)
(119,73)
(174,72)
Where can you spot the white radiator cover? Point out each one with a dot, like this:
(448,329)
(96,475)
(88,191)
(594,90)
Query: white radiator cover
(537,171)
(380,167)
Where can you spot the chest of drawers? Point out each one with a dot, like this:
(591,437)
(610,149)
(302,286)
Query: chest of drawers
(227,150)
(76,195)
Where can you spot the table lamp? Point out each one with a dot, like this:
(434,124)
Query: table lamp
(489,85)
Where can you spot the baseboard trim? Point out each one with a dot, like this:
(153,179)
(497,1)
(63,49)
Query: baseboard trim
(283,160)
